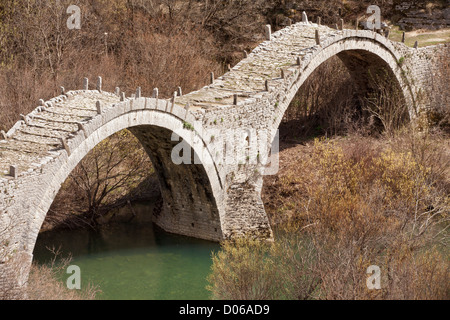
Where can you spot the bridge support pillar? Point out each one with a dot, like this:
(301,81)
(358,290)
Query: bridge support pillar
(245,215)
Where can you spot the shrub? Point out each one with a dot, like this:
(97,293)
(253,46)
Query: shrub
(358,202)
(243,271)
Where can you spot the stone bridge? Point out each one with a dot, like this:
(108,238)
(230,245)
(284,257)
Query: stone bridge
(212,198)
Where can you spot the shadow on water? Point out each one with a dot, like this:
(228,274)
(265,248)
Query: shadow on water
(134,261)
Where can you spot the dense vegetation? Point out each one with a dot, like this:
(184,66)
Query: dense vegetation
(359,201)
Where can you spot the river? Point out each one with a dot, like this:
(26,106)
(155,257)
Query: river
(134,261)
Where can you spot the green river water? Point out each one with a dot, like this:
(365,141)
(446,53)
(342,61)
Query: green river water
(134,261)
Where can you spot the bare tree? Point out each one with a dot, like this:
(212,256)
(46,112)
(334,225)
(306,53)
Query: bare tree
(112,171)
(386,101)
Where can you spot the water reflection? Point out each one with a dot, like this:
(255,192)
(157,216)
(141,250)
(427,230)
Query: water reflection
(134,261)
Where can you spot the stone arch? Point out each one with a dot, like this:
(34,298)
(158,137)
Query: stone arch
(181,218)
(369,48)
(362,49)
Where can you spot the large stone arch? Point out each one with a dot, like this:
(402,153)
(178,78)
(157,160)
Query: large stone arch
(193,192)
(357,49)
(198,215)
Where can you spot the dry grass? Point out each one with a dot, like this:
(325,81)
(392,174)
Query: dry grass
(44,283)
(423,37)
(359,201)
(361,167)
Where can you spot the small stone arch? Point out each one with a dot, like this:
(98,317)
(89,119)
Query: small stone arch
(352,47)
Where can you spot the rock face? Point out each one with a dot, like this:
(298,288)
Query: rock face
(420,14)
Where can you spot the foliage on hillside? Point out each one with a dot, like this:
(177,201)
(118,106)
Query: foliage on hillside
(122,42)
(357,202)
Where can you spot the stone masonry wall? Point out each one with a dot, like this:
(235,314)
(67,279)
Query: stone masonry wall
(419,14)
(427,70)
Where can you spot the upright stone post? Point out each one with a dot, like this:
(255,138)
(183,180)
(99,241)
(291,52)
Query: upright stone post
(403,37)
(99,107)
(266,85)
(63,91)
(65,145)
(99,84)
(167,107)
(304,17)
(268,31)
(3,135)
(155,93)
(138,92)
(14,171)
(235,99)
(117,91)
(416,45)
(317,36)
(319,21)
(173,101)
(85,84)
(211,78)
(24,118)
(342,24)
(179,92)
(122,96)
(80,127)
